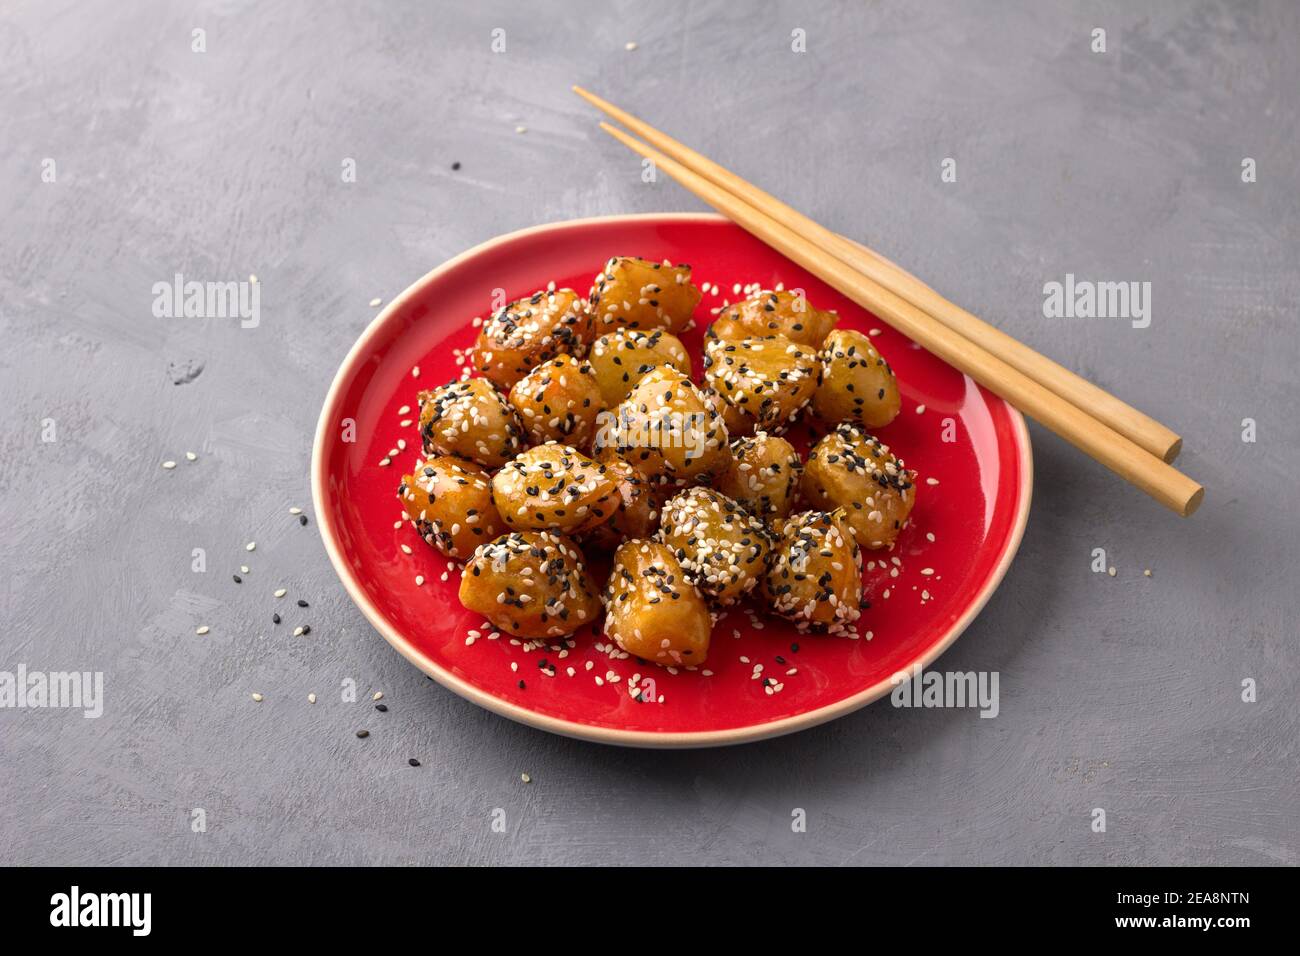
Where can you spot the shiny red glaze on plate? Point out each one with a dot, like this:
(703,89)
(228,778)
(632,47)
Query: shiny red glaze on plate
(976,512)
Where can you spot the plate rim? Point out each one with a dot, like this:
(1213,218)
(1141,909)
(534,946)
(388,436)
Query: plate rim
(574,729)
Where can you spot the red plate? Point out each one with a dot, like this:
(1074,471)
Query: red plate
(976,513)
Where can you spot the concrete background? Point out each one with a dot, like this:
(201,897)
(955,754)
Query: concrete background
(1122,693)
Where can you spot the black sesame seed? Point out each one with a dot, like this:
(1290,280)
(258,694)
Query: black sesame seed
(413,762)
(363,734)
(275,619)
(238,579)
(302,520)
(454,166)
(306,629)
(302,603)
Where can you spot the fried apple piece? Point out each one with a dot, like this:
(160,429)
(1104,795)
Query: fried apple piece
(531,331)
(737,422)
(554,486)
(721,546)
(652,611)
(559,401)
(620,359)
(852,470)
(787,313)
(763,475)
(634,293)
(857,383)
(471,420)
(637,514)
(668,431)
(532,584)
(814,576)
(768,380)
(449,500)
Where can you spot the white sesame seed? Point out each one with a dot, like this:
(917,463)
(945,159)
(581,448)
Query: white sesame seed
(295,510)
(297,632)
(379,695)
(190,456)
(311,698)
(630,45)
(258,697)
(281,592)
(375,302)
(169,465)
(202,630)
(251,546)
(525,778)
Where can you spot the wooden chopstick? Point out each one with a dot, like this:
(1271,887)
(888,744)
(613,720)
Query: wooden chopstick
(1100,404)
(1156,477)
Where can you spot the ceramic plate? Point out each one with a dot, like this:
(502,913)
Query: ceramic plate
(970,447)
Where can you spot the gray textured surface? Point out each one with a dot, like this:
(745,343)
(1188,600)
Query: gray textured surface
(1121,693)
